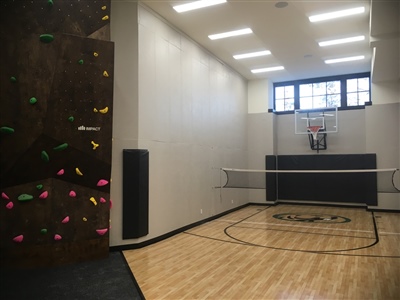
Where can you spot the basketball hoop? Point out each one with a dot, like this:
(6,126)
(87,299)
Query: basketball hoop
(314,131)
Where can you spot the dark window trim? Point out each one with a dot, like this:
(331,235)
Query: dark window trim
(342,78)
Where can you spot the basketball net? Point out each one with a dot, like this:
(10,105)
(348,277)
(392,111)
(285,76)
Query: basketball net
(314,131)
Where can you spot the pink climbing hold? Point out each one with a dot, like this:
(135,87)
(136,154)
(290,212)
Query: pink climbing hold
(4,196)
(102,182)
(44,195)
(57,237)
(102,200)
(10,205)
(72,194)
(65,220)
(101,231)
(111,204)
(61,172)
(18,239)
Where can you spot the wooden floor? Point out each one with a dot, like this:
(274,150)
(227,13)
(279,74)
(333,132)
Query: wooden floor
(279,252)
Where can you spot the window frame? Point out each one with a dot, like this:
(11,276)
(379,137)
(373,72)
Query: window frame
(343,90)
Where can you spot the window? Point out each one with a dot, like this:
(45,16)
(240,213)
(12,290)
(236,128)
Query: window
(345,92)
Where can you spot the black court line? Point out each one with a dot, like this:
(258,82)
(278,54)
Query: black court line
(239,242)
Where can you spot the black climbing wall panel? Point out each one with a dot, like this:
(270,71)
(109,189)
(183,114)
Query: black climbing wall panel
(135,193)
(56,106)
(332,187)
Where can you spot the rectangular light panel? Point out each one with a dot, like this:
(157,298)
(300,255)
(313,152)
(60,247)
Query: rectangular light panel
(344,59)
(196,5)
(230,34)
(252,54)
(337,14)
(263,70)
(342,41)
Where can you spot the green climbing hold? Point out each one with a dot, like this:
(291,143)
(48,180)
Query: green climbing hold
(71,119)
(25,197)
(45,156)
(7,129)
(61,147)
(43,231)
(13,79)
(39,186)
(33,100)
(50,2)
(46,38)
(80,61)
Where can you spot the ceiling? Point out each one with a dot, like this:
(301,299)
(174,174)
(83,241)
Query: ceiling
(286,32)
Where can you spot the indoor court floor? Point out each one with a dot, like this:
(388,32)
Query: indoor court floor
(276,252)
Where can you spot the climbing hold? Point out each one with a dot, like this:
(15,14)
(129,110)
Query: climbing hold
(78,172)
(61,172)
(105,74)
(13,79)
(104,110)
(50,3)
(93,200)
(101,231)
(84,219)
(94,145)
(80,61)
(102,182)
(45,156)
(71,118)
(46,38)
(10,205)
(33,100)
(4,196)
(7,129)
(65,220)
(95,109)
(18,239)
(105,18)
(111,204)
(72,194)
(43,231)
(61,147)
(25,197)
(44,195)
(95,54)
(102,200)
(39,186)
(104,7)
(57,237)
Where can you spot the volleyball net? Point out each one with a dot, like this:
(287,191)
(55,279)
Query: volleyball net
(387,180)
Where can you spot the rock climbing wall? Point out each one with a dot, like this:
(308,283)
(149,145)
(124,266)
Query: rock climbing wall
(56,97)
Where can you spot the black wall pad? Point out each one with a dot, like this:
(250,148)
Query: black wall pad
(328,187)
(270,164)
(135,214)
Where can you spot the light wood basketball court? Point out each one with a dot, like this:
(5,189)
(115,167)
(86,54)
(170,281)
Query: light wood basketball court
(304,252)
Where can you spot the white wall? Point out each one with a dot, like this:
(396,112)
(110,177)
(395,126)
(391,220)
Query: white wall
(191,116)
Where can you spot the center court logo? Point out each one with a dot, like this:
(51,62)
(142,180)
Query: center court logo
(312,218)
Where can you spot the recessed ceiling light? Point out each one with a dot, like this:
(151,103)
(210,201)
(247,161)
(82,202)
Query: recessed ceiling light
(230,33)
(197,5)
(337,14)
(342,41)
(344,59)
(252,54)
(263,70)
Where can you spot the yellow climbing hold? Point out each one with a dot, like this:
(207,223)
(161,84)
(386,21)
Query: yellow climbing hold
(95,109)
(104,7)
(104,110)
(78,172)
(94,145)
(105,18)
(105,74)
(93,200)
(84,219)
(95,54)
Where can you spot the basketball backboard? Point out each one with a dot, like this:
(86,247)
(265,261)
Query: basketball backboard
(325,118)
